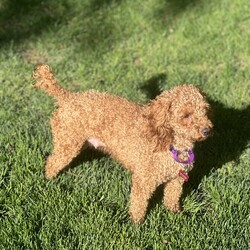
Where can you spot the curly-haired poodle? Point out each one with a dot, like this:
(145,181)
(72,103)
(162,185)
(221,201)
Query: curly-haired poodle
(154,141)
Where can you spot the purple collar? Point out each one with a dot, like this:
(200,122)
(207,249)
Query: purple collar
(176,153)
(183,173)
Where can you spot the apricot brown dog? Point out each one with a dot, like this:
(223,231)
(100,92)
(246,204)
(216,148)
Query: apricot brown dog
(155,141)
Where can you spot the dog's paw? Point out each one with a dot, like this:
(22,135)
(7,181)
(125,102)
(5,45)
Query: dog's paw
(176,208)
(50,174)
(136,218)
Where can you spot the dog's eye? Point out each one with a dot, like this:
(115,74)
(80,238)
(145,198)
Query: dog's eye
(187,116)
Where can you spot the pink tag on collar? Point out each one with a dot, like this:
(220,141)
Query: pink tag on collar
(183,175)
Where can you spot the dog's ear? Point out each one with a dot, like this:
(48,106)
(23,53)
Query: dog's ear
(158,129)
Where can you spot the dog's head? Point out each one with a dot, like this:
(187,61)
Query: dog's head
(181,113)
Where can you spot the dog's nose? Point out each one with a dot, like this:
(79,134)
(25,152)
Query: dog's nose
(206,131)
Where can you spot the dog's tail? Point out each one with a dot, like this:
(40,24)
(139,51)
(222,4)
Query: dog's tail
(46,80)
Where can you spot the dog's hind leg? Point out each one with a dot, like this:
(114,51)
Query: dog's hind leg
(61,157)
(67,145)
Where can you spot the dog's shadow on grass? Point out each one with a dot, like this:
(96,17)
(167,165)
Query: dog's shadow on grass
(86,155)
(230,138)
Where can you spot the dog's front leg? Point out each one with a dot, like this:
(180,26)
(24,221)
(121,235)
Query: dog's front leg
(172,194)
(141,192)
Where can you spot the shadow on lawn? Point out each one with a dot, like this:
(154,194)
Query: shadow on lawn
(173,8)
(105,29)
(98,4)
(22,18)
(177,6)
(231,135)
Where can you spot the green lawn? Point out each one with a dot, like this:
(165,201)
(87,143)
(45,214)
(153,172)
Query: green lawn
(135,49)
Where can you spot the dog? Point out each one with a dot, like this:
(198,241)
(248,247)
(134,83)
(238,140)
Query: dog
(154,141)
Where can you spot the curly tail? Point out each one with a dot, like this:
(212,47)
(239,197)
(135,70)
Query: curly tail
(46,80)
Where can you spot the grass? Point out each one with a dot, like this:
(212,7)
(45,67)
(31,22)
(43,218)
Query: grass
(135,49)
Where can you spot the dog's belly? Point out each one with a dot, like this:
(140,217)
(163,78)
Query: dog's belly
(96,143)
(118,152)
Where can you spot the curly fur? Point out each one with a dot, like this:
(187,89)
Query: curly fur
(137,136)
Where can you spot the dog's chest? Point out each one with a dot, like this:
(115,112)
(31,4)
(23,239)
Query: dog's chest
(170,169)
